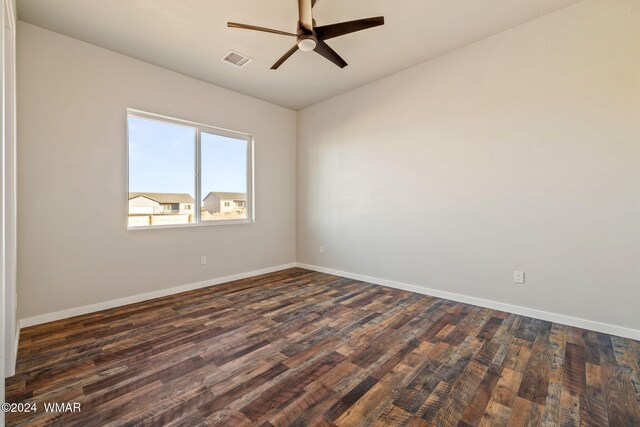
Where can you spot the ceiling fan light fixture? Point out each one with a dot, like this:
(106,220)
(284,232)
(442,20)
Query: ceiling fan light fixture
(307,45)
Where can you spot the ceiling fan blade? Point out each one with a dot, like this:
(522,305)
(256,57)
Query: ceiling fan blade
(325,50)
(327,32)
(263,29)
(284,57)
(305,7)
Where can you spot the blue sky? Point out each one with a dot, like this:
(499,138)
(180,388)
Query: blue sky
(162,159)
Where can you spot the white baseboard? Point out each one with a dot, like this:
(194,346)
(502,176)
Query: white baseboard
(495,305)
(77,311)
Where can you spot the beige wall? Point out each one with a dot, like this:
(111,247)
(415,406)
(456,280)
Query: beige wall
(520,152)
(74,247)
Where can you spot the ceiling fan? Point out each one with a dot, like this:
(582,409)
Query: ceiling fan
(311,37)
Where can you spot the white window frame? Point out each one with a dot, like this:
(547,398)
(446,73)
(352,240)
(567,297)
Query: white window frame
(199,128)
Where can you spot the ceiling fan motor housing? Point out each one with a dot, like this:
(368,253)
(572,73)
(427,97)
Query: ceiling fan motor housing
(307,42)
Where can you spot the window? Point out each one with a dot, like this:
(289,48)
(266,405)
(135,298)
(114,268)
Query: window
(224,171)
(180,172)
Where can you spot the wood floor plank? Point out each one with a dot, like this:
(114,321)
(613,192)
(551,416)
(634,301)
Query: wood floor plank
(302,348)
(592,405)
(525,413)
(506,389)
(535,378)
(480,399)
(495,415)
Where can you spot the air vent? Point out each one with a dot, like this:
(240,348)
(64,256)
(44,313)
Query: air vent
(236,59)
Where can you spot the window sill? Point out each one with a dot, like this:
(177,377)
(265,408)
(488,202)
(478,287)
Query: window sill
(200,224)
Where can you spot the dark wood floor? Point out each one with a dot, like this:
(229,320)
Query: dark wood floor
(304,348)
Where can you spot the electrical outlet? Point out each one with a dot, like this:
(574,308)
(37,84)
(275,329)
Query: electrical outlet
(518,277)
(321,249)
(203,260)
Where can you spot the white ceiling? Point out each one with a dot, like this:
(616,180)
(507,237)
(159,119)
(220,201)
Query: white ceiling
(190,37)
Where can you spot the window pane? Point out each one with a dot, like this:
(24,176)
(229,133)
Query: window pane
(161,173)
(224,177)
